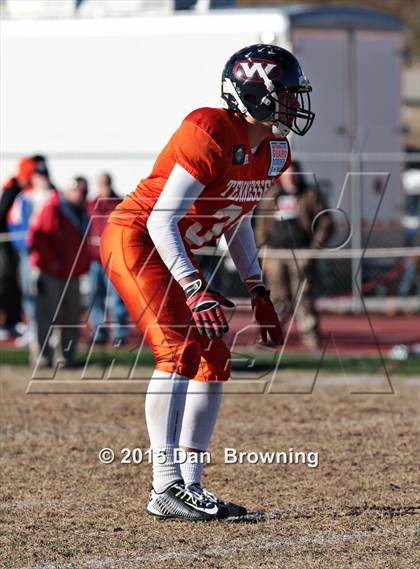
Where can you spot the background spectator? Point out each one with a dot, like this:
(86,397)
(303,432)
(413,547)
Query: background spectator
(284,221)
(60,255)
(10,291)
(103,293)
(27,204)
(411,227)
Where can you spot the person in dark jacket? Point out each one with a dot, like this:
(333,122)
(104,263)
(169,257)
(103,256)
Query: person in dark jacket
(60,255)
(103,294)
(10,290)
(284,221)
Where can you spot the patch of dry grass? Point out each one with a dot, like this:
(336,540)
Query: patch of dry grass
(61,508)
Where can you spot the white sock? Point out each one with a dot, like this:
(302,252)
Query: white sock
(164,407)
(192,468)
(200,414)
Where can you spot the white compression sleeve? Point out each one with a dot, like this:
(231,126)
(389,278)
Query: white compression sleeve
(180,192)
(242,248)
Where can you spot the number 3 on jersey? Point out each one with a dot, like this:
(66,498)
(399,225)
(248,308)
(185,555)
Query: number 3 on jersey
(227,215)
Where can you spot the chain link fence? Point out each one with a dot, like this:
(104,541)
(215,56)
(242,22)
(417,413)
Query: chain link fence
(380,268)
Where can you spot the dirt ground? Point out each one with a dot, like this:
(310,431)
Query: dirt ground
(61,508)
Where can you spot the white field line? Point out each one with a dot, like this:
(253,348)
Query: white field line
(29,504)
(127,561)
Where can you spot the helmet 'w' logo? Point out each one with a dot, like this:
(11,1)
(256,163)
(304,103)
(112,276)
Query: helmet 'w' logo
(254,70)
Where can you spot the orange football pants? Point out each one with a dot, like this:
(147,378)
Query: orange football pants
(156,303)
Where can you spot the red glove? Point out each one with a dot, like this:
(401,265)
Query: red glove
(204,304)
(266,316)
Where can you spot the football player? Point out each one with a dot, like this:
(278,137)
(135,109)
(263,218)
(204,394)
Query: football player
(204,184)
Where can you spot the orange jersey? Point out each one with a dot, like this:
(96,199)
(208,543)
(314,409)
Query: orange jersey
(212,145)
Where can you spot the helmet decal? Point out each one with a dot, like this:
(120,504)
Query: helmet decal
(252,70)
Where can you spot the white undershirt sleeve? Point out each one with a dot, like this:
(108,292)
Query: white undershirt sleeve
(180,192)
(242,248)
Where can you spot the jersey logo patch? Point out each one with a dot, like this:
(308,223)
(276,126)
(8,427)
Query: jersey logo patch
(238,154)
(279,153)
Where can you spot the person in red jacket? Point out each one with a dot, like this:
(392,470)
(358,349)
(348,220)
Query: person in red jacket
(59,255)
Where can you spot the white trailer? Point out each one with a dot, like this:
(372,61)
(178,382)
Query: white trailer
(105,94)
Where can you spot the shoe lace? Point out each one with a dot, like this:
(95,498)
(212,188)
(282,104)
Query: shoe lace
(203,494)
(190,494)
